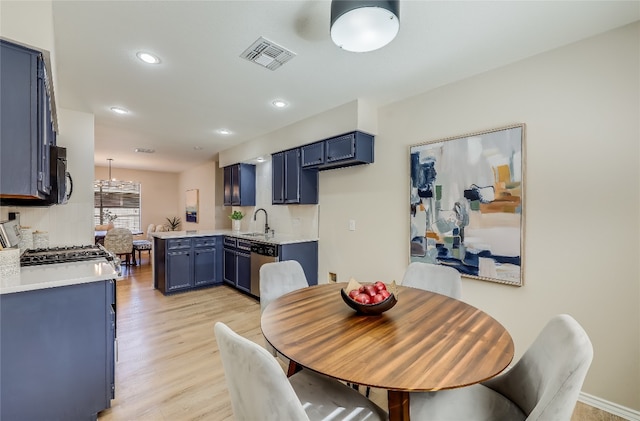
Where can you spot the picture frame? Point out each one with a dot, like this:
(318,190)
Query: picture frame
(191,205)
(467,204)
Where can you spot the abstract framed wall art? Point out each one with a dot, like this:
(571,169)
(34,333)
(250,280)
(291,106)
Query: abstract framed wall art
(191,205)
(467,204)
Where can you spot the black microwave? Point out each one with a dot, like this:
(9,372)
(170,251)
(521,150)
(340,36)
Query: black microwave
(61,182)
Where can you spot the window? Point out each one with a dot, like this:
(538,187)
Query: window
(117,202)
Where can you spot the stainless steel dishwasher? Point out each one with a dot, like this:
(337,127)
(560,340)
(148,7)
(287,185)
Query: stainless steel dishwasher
(261,253)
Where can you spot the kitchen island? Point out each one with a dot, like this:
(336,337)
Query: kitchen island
(185,260)
(57,341)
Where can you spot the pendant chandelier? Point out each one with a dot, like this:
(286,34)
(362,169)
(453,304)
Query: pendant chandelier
(364,25)
(112,184)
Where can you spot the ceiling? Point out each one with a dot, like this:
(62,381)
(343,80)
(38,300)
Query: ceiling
(202,85)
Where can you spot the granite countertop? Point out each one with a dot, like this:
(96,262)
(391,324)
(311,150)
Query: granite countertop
(57,275)
(275,239)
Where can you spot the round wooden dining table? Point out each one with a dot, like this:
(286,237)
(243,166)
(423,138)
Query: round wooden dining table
(426,342)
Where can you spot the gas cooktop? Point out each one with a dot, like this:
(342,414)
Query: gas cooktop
(51,255)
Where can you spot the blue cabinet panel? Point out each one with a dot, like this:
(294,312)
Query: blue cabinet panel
(57,352)
(291,183)
(312,155)
(240,185)
(27,129)
(179,270)
(243,271)
(204,266)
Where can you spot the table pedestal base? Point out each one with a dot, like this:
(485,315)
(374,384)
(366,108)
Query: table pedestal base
(398,405)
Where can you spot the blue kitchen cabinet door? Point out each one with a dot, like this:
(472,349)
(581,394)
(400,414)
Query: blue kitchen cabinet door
(239,185)
(27,127)
(291,183)
(277,178)
(204,266)
(292,176)
(243,271)
(179,270)
(312,155)
(230,276)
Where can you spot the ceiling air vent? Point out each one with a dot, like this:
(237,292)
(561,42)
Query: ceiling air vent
(267,54)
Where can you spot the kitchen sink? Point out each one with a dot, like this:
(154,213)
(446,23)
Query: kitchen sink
(253,234)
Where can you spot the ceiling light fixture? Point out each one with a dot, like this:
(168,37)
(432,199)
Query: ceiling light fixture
(280,103)
(119,110)
(364,25)
(147,57)
(224,131)
(144,150)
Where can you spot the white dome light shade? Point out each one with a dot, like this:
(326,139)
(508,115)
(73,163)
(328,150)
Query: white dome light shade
(362,26)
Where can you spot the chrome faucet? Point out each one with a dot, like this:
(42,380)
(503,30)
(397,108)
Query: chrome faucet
(266,219)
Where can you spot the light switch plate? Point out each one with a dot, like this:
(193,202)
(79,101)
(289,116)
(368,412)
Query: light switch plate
(352,225)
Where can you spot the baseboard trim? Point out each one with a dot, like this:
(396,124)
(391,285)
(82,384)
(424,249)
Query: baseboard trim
(610,407)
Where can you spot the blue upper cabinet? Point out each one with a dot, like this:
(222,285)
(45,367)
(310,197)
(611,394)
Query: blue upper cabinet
(291,183)
(349,149)
(240,185)
(27,129)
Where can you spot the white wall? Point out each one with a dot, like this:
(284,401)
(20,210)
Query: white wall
(581,106)
(203,179)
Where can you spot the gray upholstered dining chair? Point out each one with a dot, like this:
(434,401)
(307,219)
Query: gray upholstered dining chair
(119,241)
(144,244)
(435,278)
(543,385)
(260,390)
(277,279)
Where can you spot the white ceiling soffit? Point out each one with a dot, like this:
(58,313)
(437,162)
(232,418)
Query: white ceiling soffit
(267,54)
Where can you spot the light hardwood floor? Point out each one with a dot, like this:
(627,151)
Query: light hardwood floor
(168,365)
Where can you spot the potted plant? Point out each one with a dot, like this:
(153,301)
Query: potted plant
(236,217)
(174,223)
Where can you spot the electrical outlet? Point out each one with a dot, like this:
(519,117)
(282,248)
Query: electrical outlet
(352,225)
(333,277)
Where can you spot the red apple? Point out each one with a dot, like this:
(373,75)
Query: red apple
(378,298)
(353,293)
(370,289)
(363,298)
(379,285)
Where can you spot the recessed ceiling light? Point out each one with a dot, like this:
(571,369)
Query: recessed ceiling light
(259,159)
(119,110)
(280,103)
(224,131)
(144,150)
(147,57)
(197,148)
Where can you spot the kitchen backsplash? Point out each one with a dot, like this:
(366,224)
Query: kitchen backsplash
(299,220)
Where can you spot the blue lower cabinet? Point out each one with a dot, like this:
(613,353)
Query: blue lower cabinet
(179,270)
(243,271)
(204,266)
(57,347)
(181,264)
